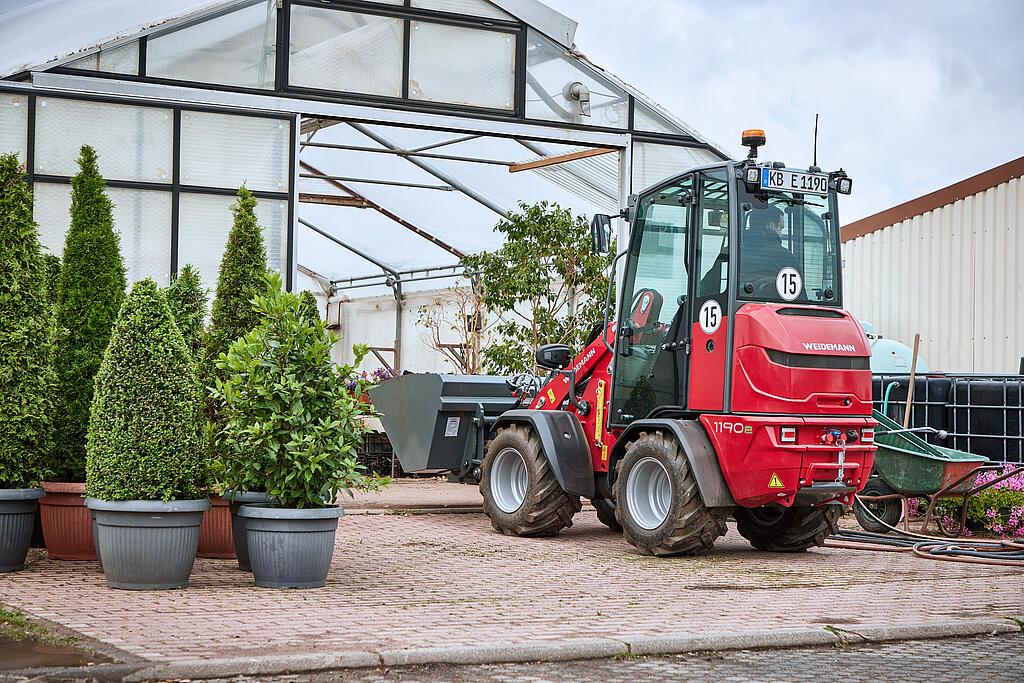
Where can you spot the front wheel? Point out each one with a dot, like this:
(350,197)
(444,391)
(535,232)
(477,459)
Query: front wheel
(521,495)
(787,530)
(657,501)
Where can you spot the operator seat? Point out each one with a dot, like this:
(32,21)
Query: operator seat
(644,317)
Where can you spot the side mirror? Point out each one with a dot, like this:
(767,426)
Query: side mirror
(600,233)
(553,356)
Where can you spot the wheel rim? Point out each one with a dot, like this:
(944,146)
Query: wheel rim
(509,480)
(649,493)
(766,516)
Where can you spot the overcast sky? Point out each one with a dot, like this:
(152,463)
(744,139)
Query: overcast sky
(913,95)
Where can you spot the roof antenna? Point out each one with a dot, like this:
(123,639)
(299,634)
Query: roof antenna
(814,163)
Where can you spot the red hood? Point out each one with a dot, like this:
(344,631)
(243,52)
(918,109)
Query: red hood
(812,330)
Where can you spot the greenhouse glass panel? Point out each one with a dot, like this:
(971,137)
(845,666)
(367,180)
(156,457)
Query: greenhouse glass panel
(14,125)
(237,48)
(345,51)
(142,219)
(649,120)
(204,222)
(473,8)
(462,66)
(550,70)
(133,143)
(653,163)
(123,59)
(228,150)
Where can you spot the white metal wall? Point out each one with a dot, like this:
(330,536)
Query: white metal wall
(953,274)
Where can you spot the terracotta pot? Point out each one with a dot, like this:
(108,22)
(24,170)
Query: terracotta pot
(67,524)
(215,534)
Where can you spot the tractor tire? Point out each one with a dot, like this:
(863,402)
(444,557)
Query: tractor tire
(521,495)
(606,513)
(787,530)
(889,512)
(657,502)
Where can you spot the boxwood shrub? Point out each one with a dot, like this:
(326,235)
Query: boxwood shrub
(186,298)
(145,430)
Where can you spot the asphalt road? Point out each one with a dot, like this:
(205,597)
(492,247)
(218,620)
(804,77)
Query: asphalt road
(991,659)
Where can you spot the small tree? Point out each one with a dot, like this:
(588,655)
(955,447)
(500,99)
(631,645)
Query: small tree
(186,298)
(240,279)
(544,285)
(52,276)
(25,336)
(290,427)
(145,432)
(457,332)
(310,308)
(90,290)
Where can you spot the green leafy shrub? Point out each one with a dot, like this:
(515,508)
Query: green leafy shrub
(26,371)
(186,298)
(145,432)
(290,427)
(52,276)
(90,290)
(997,510)
(240,279)
(310,309)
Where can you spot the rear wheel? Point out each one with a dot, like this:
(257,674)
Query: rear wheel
(521,495)
(657,502)
(606,513)
(877,516)
(787,530)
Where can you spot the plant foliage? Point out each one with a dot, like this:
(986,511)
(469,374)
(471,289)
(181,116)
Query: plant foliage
(310,308)
(997,510)
(26,371)
(290,427)
(544,284)
(146,428)
(186,298)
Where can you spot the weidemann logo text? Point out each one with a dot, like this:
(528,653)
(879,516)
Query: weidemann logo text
(818,346)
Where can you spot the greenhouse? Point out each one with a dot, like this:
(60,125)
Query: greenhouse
(383,139)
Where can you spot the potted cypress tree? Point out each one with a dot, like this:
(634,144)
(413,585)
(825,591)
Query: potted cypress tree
(90,290)
(145,472)
(25,365)
(239,279)
(291,427)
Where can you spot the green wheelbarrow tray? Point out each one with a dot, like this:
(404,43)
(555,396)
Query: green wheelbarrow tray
(913,467)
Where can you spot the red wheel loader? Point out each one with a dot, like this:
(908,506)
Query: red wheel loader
(732,382)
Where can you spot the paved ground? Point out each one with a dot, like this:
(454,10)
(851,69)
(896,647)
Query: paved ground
(993,659)
(407,580)
(415,493)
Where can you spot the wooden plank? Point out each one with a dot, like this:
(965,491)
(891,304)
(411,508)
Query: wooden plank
(559,159)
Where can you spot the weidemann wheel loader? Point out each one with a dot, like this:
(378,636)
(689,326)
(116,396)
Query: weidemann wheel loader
(732,383)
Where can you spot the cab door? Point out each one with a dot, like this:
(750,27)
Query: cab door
(650,367)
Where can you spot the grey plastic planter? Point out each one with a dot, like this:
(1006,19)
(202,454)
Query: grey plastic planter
(147,544)
(236,499)
(95,539)
(17,517)
(290,548)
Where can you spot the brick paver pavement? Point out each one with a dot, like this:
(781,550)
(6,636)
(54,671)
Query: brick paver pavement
(440,580)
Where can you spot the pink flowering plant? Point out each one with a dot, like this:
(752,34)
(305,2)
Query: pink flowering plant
(998,510)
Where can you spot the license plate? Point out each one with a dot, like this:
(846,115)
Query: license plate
(792,181)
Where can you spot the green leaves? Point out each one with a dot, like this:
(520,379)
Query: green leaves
(146,435)
(90,289)
(26,374)
(544,284)
(287,424)
(186,298)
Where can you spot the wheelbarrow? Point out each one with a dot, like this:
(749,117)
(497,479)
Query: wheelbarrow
(907,466)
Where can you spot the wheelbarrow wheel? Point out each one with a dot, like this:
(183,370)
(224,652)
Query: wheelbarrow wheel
(787,530)
(606,513)
(521,495)
(889,512)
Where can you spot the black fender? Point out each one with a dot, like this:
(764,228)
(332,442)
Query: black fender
(699,452)
(563,443)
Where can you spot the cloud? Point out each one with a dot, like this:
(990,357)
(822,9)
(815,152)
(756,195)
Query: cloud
(912,95)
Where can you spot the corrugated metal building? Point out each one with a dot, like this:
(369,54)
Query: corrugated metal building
(949,266)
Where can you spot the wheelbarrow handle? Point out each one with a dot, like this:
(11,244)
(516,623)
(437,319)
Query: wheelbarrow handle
(941,433)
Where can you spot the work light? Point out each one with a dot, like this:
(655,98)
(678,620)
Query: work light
(753,174)
(844,186)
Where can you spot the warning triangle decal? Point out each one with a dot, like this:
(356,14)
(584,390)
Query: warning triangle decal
(775,482)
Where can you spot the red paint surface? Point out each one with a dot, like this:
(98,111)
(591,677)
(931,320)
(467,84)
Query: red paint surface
(707,368)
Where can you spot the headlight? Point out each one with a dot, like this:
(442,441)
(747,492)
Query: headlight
(844,185)
(753,175)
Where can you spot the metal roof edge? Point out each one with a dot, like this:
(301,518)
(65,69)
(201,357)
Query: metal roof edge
(548,21)
(934,200)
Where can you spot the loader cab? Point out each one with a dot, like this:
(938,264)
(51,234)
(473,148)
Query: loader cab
(702,246)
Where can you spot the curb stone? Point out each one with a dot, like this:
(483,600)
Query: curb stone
(532,651)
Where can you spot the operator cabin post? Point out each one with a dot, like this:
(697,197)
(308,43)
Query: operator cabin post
(731,381)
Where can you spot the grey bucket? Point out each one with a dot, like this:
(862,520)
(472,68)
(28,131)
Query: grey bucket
(236,499)
(17,517)
(290,548)
(147,544)
(96,539)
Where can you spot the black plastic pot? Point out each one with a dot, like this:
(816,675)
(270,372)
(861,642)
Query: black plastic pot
(17,518)
(147,544)
(236,499)
(290,548)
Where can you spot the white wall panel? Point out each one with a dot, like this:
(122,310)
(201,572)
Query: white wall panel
(954,274)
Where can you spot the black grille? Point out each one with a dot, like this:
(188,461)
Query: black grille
(806,360)
(811,312)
